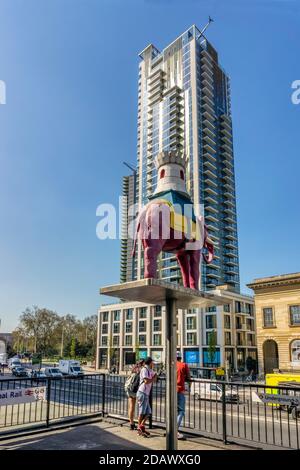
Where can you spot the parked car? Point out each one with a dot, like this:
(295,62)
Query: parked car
(14,362)
(53,372)
(212,391)
(38,375)
(19,372)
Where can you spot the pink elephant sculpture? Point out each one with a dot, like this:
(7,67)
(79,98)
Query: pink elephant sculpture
(168,223)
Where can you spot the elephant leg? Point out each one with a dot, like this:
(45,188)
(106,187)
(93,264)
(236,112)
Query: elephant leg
(194,268)
(152,248)
(183,261)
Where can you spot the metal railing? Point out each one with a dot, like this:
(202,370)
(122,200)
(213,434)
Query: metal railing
(255,414)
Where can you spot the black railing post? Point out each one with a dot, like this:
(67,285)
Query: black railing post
(103,393)
(224,412)
(48,401)
(151,405)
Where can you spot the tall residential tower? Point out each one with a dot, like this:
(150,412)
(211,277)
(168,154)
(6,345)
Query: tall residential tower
(184,103)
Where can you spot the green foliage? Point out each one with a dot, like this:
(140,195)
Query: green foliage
(43,331)
(212,342)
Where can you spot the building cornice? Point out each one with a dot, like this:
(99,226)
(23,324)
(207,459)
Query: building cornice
(275,281)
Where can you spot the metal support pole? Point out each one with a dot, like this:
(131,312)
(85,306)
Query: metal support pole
(103,393)
(224,424)
(48,395)
(171,385)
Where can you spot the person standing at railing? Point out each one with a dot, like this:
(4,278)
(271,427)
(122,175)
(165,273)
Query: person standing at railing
(183,376)
(147,378)
(131,387)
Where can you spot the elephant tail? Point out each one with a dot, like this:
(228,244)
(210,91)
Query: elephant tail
(208,244)
(135,240)
(139,225)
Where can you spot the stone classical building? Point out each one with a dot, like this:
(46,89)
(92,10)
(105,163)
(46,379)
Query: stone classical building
(124,328)
(277,305)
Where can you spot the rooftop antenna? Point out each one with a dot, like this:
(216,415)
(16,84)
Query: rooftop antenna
(210,20)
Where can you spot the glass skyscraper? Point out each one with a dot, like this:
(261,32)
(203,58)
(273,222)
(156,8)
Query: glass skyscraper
(184,103)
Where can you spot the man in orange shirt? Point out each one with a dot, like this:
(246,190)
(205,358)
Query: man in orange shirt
(183,375)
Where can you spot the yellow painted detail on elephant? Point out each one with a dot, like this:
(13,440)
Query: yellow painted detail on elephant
(180,222)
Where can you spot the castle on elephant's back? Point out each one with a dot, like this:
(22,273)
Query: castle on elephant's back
(184,105)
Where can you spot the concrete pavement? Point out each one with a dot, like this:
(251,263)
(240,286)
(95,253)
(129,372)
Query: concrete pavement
(105,435)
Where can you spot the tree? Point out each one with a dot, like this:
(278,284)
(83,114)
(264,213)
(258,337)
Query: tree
(137,350)
(40,325)
(73,348)
(41,330)
(110,350)
(212,342)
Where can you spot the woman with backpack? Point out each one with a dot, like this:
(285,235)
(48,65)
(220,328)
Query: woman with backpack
(131,388)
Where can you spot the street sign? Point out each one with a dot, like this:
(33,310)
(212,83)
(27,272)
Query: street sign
(22,395)
(275,399)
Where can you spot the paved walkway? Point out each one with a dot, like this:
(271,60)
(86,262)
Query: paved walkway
(105,435)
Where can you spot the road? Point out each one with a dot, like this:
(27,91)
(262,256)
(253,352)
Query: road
(256,423)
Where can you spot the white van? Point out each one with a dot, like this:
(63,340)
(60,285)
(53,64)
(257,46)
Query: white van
(70,367)
(212,391)
(53,372)
(14,362)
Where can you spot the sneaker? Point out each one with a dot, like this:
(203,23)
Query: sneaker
(132,427)
(180,436)
(143,432)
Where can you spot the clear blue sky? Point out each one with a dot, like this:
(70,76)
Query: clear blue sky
(70,68)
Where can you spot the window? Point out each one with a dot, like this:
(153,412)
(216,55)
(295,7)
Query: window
(191,323)
(128,340)
(142,326)
(157,340)
(105,316)
(117,315)
(143,312)
(238,307)
(295,351)
(295,315)
(268,317)
(211,309)
(129,314)
(157,311)
(156,325)
(227,338)
(115,340)
(162,174)
(227,322)
(116,328)
(211,321)
(128,327)
(142,340)
(227,308)
(105,328)
(191,339)
(104,341)
(181,174)
(249,309)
